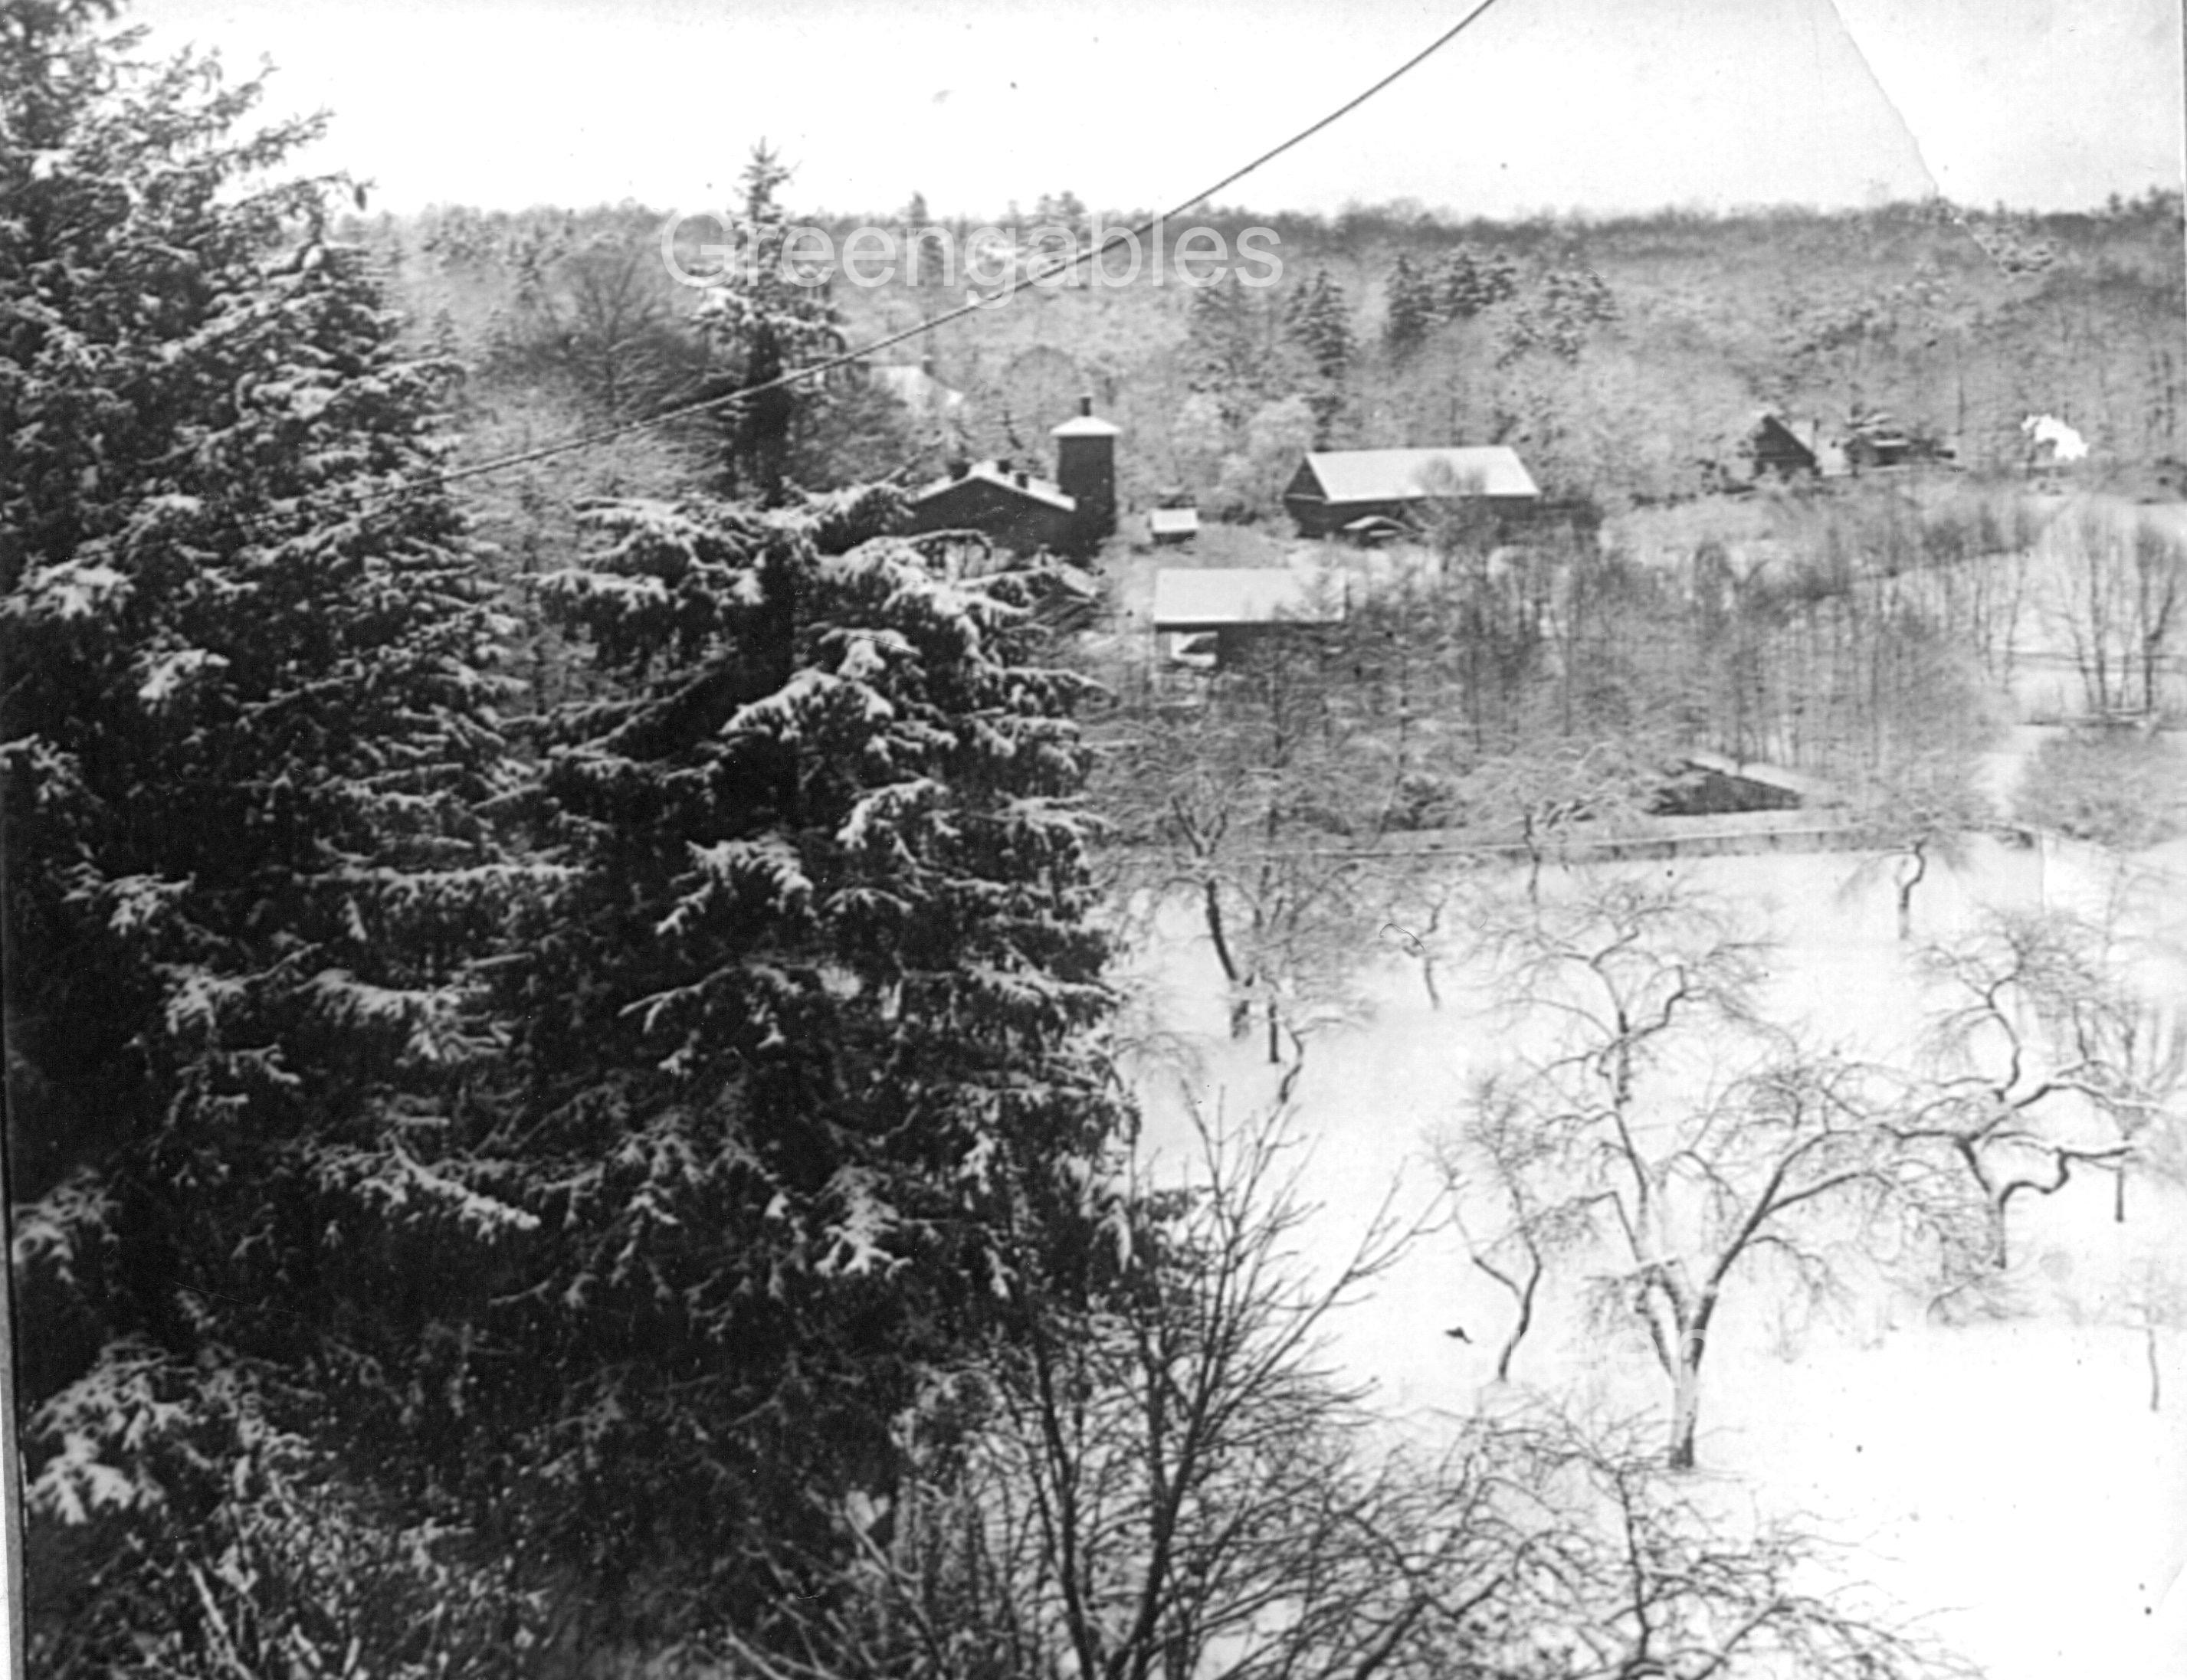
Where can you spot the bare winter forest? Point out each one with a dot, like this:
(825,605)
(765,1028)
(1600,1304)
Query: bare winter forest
(665,1018)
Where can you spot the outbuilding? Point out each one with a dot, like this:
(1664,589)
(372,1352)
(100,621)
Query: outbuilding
(1010,506)
(1170,525)
(1238,605)
(1336,488)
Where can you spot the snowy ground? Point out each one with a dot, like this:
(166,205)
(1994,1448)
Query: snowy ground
(2007,1480)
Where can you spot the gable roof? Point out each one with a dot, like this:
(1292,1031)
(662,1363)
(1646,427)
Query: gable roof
(1772,432)
(1206,597)
(991,473)
(1404,474)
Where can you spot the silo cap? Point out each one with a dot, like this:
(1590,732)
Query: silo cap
(1085,423)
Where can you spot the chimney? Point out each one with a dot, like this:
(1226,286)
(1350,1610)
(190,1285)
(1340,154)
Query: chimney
(1086,471)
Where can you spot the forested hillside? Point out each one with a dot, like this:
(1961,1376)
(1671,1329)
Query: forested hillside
(1627,359)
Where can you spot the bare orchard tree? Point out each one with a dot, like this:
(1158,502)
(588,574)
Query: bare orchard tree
(1255,803)
(1916,813)
(1171,1486)
(2043,1058)
(1495,1173)
(1909,758)
(1679,1143)
(1547,791)
(1192,1472)
(1169,1482)
(1626,1576)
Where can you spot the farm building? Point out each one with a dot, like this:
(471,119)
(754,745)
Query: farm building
(1879,445)
(1086,468)
(1008,505)
(1778,452)
(1237,604)
(917,390)
(1336,488)
(1173,524)
(1713,784)
(1068,515)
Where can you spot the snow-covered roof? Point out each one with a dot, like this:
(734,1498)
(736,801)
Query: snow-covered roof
(1085,425)
(1400,474)
(1210,596)
(993,472)
(1806,789)
(917,389)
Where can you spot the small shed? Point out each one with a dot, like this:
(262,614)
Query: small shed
(1170,525)
(1879,447)
(1239,605)
(1714,783)
(1337,488)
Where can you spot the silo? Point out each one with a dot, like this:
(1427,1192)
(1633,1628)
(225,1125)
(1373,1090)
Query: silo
(1086,471)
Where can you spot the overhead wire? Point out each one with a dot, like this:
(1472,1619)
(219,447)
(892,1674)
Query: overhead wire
(372,501)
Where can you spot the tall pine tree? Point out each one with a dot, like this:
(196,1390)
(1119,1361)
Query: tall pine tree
(1409,310)
(812,1107)
(249,726)
(1318,320)
(764,316)
(427,1239)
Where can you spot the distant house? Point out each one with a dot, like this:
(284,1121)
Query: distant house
(1336,488)
(1878,446)
(917,390)
(1778,452)
(1168,525)
(1236,605)
(1024,512)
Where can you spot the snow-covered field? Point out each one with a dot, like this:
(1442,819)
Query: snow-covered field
(2006,1479)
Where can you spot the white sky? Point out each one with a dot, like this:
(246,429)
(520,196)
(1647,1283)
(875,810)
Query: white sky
(1604,104)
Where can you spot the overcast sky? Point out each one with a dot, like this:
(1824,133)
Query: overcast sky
(1601,104)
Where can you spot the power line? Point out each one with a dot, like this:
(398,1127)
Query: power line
(1062,265)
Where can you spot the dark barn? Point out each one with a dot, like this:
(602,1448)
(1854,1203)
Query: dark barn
(1336,488)
(1022,513)
(1025,513)
(1778,452)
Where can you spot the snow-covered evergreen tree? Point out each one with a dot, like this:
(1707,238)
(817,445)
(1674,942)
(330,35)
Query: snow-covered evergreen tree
(1228,347)
(1467,283)
(460,1183)
(1318,321)
(249,728)
(806,1063)
(763,315)
(1410,307)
